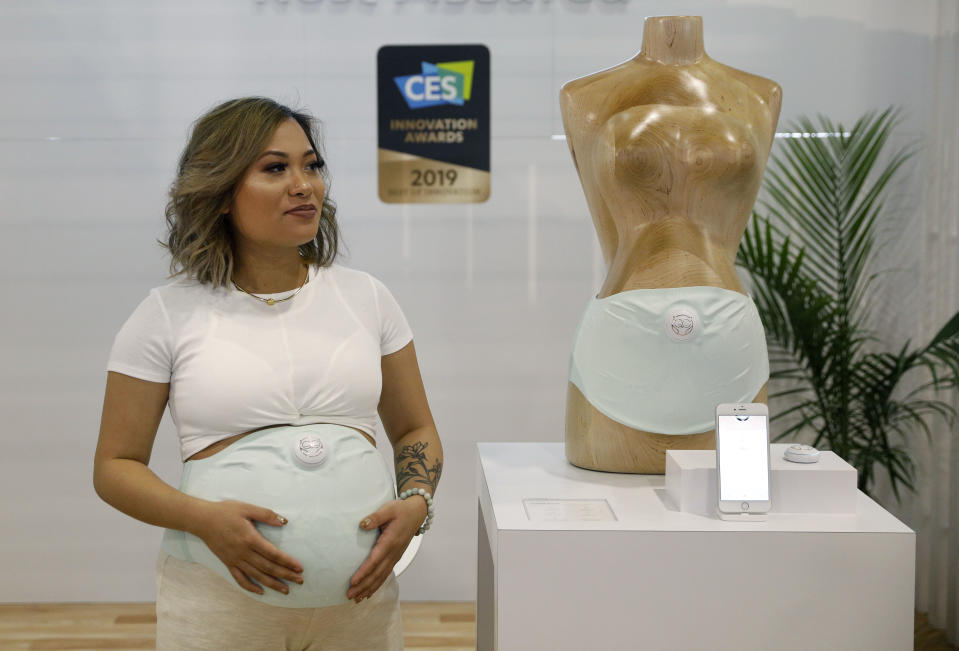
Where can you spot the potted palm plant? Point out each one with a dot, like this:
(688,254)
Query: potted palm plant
(809,255)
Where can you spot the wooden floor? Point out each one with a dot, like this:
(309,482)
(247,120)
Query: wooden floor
(432,626)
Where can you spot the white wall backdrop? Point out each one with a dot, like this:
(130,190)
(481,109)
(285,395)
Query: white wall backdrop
(95,100)
(933,510)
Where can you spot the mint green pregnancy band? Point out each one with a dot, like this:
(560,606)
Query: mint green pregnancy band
(660,360)
(323,478)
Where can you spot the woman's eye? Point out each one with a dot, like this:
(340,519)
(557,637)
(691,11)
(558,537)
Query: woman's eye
(278,168)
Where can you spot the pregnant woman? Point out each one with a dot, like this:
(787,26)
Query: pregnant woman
(274,362)
(670,148)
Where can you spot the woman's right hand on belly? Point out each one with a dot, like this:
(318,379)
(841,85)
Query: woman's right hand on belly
(227,529)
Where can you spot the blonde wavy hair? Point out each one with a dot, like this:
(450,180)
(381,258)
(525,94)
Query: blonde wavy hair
(223,143)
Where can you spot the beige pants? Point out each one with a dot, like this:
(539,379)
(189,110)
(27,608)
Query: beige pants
(197,610)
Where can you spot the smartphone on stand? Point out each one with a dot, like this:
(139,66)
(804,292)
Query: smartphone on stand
(742,460)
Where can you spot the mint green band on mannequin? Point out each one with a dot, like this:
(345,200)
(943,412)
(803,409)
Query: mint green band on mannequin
(323,478)
(660,360)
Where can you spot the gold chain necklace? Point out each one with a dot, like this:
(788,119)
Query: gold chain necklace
(274,301)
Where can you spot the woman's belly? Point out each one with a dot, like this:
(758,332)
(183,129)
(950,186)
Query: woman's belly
(323,478)
(222,444)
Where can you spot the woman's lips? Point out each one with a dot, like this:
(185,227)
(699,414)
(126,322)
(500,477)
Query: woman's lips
(303,211)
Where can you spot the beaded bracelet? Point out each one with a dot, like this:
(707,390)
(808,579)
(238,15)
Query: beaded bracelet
(429,507)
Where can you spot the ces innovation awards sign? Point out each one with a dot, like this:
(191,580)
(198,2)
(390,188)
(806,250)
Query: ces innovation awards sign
(434,130)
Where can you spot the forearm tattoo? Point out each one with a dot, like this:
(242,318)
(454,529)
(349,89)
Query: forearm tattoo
(412,466)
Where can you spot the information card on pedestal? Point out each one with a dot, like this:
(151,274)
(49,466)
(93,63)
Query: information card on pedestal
(560,510)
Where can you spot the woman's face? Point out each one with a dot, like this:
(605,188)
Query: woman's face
(278,200)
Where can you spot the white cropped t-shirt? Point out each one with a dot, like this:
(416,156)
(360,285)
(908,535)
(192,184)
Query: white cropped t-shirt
(235,364)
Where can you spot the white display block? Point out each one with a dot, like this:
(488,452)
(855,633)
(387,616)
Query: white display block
(827,486)
(572,559)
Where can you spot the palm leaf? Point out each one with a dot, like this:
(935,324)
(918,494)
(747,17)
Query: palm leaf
(809,254)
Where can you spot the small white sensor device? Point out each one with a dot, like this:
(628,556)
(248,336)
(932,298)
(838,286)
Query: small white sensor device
(310,451)
(801,454)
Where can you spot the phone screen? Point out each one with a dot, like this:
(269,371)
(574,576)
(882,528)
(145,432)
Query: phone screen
(744,457)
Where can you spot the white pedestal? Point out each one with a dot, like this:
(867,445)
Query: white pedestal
(576,559)
(827,486)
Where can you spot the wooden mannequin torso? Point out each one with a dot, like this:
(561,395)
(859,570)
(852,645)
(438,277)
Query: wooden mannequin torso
(670,149)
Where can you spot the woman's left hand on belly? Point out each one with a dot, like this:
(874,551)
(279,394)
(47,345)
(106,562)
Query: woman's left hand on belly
(398,521)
